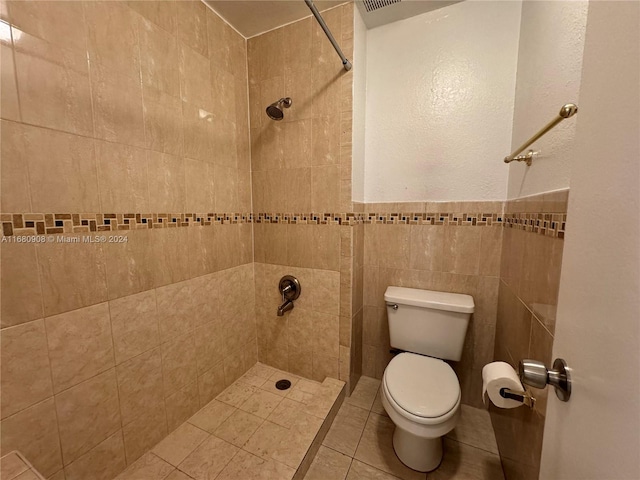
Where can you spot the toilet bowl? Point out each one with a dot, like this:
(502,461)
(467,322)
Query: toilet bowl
(421,392)
(421,395)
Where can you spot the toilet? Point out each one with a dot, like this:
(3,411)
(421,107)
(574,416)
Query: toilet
(420,391)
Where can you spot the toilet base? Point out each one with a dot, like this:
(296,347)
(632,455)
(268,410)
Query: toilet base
(419,453)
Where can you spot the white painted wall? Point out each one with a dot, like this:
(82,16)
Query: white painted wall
(596,435)
(549,70)
(359,101)
(440,98)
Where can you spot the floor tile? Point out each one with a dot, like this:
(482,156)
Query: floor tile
(11,466)
(328,464)
(377,404)
(246,466)
(346,430)
(208,460)
(364,394)
(252,380)
(265,440)
(464,462)
(376,448)
(362,471)
(270,384)
(261,403)
(286,413)
(212,415)
(238,428)
(236,394)
(474,428)
(149,467)
(261,370)
(177,475)
(180,443)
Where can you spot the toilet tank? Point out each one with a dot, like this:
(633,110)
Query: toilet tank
(428,322)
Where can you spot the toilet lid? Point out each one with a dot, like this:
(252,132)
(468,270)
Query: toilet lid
(423,386)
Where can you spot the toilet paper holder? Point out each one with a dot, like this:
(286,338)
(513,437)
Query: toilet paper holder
(524,397)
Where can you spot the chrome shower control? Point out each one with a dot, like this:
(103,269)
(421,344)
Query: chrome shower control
(536,374)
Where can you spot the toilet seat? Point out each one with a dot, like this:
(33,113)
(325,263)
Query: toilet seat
(422,389)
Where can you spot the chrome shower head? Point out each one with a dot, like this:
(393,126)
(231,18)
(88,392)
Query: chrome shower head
(275,109)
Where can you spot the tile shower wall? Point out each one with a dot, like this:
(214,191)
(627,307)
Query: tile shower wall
(527,301)
(112,108)
(447,246)
(303,165)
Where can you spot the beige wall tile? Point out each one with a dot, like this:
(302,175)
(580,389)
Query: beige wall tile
(192,25)
(159,59)
(225,182)
(195,78)
(62,102)
(181,405)
(26,373)
(324,367)
(199,182)
(146,431)
(461,250)
(326,292)
(163,14)
(131,266)
(113,37)
(490,250)
(122,174)
(162,121)
(62,170)
(104,462)
(325,189)
(166,183)
(87,414)
(117,106)
(15,195)
(134,325)
(34,432)
(221,38)
(61,23)
(211,383)
(198,124)
(140,385)
(80,345)
(175,310)
(21,292)
(172,248)
(10,108)
(326,247)
(72,275)
(179,364)
(427,247)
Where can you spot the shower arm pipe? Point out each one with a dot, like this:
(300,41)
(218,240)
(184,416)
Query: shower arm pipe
(346,63)
(567,110)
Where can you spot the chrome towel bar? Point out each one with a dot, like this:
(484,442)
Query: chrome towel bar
(567,110)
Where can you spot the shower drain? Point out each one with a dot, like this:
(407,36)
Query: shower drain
(283,384)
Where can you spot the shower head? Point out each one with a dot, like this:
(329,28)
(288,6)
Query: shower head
(275,109)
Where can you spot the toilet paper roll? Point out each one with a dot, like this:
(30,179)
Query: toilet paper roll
(499,375)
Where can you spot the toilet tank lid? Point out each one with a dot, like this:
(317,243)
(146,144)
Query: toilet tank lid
(453,302)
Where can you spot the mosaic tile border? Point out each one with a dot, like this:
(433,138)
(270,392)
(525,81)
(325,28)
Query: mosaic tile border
(548,224)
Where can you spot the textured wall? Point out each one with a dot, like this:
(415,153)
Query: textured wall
(527,302)
(109,109)
(302,165)
(549,72)
(440,104)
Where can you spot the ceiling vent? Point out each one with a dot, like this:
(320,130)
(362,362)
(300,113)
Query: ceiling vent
(371,5)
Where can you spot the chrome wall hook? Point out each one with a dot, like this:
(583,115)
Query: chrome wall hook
(536,374)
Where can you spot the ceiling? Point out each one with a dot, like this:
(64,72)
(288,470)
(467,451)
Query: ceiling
(253,17)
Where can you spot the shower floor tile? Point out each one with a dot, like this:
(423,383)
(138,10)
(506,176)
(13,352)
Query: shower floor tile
(250,430)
